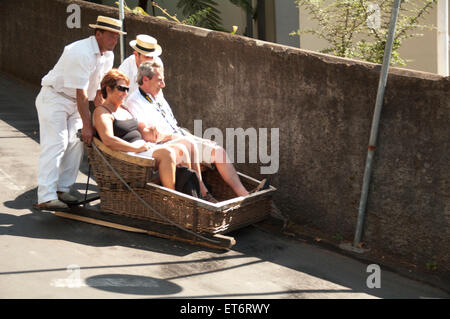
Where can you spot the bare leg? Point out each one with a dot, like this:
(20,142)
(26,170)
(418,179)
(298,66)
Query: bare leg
(182,154)
(166,163)
(195,161)
(227,171)
(224,166)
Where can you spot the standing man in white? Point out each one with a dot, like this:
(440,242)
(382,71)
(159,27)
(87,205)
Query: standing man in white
(146,48)
(63,109)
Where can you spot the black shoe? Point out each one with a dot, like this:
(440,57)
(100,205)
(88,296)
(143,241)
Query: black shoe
(264,184)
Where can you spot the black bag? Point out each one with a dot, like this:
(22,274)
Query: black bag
(187,182)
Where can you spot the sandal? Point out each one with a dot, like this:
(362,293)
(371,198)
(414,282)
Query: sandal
(264,184)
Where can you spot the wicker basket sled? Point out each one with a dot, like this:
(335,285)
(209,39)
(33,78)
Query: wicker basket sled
(130,200)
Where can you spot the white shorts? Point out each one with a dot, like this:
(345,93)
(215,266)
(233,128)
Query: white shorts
(205,148)
(149,153)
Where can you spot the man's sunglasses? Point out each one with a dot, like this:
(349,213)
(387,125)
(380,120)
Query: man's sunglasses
(122,88)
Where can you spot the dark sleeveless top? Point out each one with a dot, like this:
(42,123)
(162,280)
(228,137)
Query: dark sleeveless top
(126,129)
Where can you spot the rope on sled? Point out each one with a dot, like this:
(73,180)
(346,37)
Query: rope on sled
(147,204)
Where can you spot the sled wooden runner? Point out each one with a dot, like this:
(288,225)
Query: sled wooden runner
(97,217)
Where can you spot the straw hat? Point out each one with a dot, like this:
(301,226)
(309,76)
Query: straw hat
(146,45)
(108,24)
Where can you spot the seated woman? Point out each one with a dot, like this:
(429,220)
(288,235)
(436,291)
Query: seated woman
(118,130)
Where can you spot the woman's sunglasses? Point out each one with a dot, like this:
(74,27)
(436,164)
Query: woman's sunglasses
(122,88)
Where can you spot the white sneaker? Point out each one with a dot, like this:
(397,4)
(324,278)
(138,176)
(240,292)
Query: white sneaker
(67,197)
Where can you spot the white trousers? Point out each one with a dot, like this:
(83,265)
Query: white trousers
(61,149)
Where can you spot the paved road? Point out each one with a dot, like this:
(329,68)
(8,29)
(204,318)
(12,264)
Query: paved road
(45,256)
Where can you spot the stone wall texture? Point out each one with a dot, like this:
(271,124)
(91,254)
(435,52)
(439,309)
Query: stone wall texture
(322,105)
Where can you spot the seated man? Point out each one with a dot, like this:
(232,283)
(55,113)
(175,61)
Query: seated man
(119,131)
(156,119)
(146,48)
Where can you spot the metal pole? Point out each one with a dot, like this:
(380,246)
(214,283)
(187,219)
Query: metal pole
(121,16)
(376,121)
(442,41)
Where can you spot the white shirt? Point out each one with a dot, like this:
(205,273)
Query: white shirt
(81,66)
(130,69)
(152,112)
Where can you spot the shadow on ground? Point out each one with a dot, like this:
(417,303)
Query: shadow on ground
(251,242)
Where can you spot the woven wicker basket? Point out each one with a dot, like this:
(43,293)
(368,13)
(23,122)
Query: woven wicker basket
(195,214)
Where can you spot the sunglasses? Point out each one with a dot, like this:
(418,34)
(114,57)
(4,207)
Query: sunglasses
(122,88)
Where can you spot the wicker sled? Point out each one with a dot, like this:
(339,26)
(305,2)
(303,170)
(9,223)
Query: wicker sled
(129,197)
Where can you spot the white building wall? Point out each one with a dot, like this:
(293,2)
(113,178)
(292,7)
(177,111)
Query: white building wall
(286,21)
(420,52)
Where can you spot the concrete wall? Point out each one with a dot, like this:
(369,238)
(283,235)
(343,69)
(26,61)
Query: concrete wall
(322,106)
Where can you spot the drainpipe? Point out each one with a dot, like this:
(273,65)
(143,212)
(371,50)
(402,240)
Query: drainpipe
(261,19)
(442,38)
(376,121)
(249,28)
(121,17)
